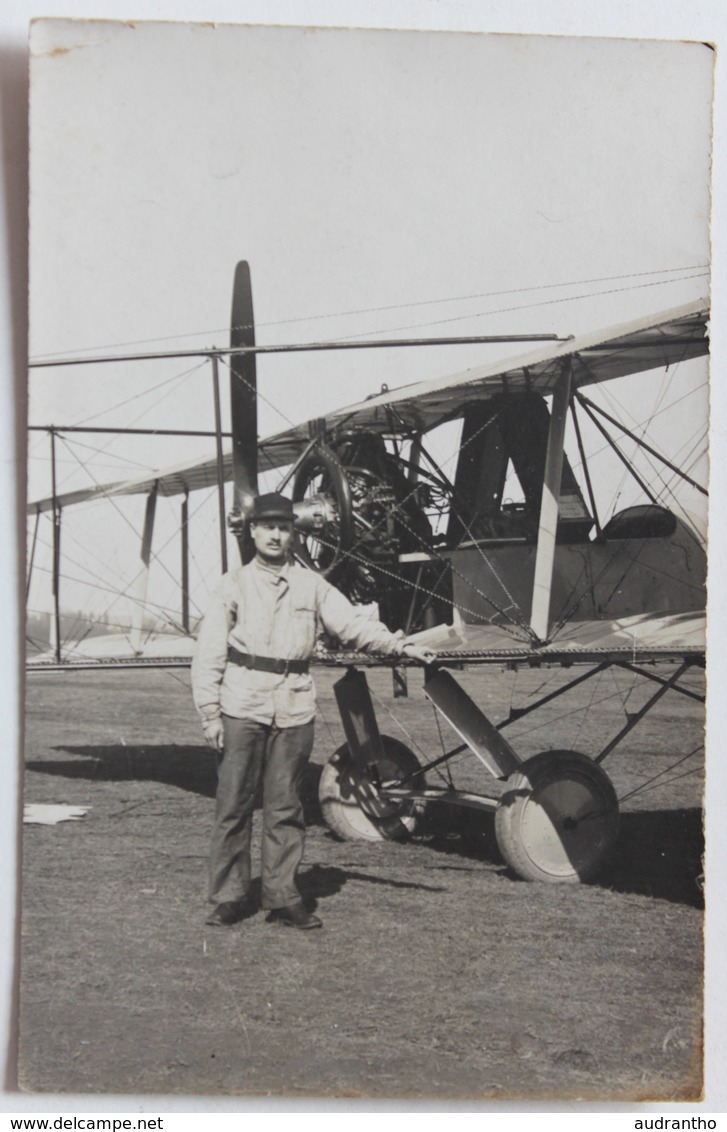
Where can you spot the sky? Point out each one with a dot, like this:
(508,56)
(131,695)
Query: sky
(380,183)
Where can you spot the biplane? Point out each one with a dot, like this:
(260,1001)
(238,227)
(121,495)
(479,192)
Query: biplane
(505,560)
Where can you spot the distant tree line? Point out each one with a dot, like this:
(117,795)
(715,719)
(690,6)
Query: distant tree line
(77,624)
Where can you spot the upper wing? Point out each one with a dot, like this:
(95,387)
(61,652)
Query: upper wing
(648,343)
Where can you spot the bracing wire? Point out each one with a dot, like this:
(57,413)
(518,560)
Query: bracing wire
(164,612)
(703,269)
(653,782)
(251,387)
(181,380)
(137,396)
(101,452)
(606,448)
(128,521)
(510,310)
(161,610)
(460,298)
(565,715)
(95,584)
(350,553)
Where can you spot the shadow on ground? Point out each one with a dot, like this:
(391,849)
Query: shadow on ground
(658,853)
(186,768)
(320,881)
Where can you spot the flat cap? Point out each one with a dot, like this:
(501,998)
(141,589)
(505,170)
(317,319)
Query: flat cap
(272,506)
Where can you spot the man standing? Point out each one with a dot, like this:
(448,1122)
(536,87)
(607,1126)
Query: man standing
(255,696)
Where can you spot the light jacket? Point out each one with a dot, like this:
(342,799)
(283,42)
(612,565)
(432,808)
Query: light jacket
(264,612)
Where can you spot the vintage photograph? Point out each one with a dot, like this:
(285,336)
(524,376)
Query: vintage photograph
(367,553)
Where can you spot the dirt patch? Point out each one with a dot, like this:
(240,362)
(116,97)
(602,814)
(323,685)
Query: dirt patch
(437,973)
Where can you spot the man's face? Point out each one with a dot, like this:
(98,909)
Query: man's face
(272,539)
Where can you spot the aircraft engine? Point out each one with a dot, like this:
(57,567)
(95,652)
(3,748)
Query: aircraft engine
(357,514)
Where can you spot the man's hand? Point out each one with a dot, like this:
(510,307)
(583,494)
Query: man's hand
(214,734)
(420,653)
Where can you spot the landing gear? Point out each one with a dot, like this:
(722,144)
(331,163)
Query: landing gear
(351,802)
(558,818)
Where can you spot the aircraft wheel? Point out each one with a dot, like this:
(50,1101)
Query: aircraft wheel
(351,804)
(558,818)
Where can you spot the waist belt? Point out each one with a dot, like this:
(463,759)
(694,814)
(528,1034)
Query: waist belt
(275,664)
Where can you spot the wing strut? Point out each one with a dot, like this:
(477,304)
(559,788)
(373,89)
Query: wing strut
(549,506)
(56,631)
(142,581)
(586,471)
(184,530)
(220,463)
(32,555)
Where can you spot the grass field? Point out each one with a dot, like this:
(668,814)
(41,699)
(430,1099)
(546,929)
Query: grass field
(437,974)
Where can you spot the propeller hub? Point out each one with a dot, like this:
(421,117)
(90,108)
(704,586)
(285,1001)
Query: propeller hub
(314,513)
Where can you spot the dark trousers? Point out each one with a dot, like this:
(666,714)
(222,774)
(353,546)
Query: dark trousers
(278,756)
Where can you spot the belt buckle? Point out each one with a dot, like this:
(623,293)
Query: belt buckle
(286,667)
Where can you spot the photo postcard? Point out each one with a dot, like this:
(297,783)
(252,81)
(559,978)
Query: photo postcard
(367,465)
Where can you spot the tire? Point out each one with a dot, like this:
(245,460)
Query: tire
(351,805)
(558,818)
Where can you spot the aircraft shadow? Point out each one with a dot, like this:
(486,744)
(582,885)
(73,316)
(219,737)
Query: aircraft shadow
(658,852)
(186,768)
